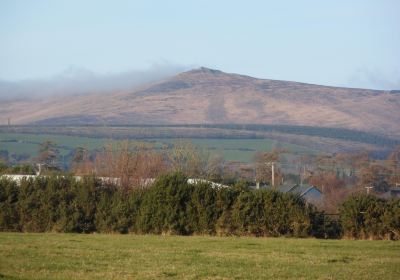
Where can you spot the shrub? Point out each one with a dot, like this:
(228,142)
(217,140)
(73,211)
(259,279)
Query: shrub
(366,216)
(173,206)
(164,206)
(271,213)
(9,216)
(391,219)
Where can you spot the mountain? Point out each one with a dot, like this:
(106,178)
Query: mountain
(207,96)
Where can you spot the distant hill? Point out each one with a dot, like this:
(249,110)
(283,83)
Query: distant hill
(206,96)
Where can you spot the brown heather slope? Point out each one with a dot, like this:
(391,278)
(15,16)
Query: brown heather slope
(210,96)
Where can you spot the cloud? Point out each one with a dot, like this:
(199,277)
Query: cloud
(76,81)
(373,78)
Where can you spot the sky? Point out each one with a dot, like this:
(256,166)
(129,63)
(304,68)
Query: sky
(339,43)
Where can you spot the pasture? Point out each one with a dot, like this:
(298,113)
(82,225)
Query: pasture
(241,150)
(98,256)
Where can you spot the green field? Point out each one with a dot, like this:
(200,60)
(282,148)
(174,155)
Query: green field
(242,150)
(29,143)
(97,256)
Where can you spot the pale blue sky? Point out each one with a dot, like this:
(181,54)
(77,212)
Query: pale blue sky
(347,43)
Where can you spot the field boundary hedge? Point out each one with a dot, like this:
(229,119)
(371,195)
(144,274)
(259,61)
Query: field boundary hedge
(173,206)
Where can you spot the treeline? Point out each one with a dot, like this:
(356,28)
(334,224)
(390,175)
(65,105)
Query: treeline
(135,132)
(223,131)
(326,132)
(172,206)
(133,163)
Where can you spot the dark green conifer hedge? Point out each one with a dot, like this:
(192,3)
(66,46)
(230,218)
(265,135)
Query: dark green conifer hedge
(368,217)
(172,206)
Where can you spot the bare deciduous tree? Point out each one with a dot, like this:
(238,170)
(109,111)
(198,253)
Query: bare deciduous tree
(185,157)
(132,164)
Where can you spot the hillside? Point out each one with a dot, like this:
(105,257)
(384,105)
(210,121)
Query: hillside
(206,96)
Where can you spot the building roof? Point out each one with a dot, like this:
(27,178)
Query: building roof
(287,188)
(302,190)
(392,193)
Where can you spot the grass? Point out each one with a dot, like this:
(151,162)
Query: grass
(242,150)
(97,256)
(29,143)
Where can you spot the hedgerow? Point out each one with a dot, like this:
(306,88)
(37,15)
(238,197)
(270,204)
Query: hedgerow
(173,206)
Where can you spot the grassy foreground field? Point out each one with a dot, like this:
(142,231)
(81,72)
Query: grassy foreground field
(73,256)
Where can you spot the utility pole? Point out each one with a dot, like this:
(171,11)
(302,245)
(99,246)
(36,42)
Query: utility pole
(302,176)
(8,121)
(272,172)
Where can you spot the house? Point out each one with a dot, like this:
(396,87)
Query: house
(111,180)
(17,178)
(212,184)
(392,193)
(310,193)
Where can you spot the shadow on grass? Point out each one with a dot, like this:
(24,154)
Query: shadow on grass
(170,274)
(340,260)
(3,276)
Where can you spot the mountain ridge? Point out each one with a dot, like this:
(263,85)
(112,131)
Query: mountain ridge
(210,96)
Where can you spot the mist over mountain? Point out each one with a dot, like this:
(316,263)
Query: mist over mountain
(78,81)
(207,96)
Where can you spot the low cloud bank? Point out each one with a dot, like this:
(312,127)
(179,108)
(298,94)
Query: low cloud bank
(75,81)
(374,78)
